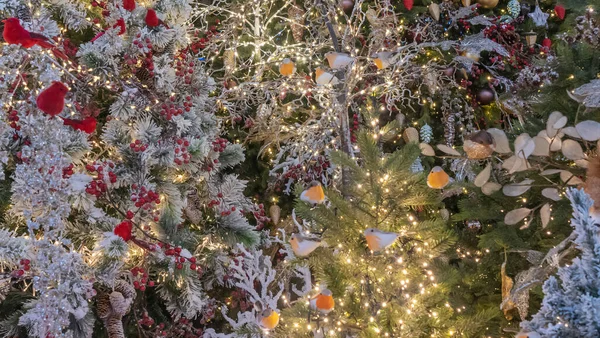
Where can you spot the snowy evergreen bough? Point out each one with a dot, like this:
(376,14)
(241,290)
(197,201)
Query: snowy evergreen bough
(572,298)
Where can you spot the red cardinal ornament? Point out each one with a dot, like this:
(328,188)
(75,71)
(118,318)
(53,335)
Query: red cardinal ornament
(87,125)
(121,24)
(129,5)
(560,11)
(15,34)
(151,18)
(408,4)
(547,43)
(52,100)
(123,230)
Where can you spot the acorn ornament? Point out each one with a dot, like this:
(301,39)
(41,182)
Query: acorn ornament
(479,145)
(408,4)
(488,4)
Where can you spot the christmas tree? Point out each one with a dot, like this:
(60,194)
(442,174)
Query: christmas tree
(384,260)
(571,297)
(443,135)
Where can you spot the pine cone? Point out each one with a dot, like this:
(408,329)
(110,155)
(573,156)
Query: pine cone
(296,14)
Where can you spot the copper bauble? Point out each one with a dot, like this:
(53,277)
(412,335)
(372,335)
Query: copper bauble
(347,5)
(488,4)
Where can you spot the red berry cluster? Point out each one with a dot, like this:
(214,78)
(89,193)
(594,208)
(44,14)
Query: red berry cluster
(185,329)
(104,174)
(13,118)
(185,69)
(181,154)
(138,146)
(201,42)
(178,259)
(239,298)
(68,171)
(144,198)
(24,267)
(147,321)
(144,45)
(219,145)
(313,171)
(260,216)
(171,108)
(354,128)
(140,277)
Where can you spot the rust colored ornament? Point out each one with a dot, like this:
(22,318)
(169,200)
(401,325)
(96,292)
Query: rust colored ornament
(547,43)
(408,4)
(479,145)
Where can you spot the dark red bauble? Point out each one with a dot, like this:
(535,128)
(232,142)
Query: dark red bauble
(347,6)
(485,96)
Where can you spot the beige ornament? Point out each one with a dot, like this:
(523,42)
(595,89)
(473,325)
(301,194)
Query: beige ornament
(112,307)
(434,10)
(229,60)
(275,213)
(479,145)
(296,15)
(466,3)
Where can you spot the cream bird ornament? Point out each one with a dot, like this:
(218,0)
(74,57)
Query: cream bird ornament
(287,67)
(338,60)
(314,194)
(324,78)
(268,319)
(437,178)
(303,247)
(378,240)
(323,302)
(383,59)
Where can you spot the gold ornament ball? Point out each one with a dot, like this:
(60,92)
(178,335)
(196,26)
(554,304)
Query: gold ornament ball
(488,4)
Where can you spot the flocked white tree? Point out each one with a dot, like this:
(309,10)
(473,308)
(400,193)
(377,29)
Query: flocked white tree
(572,297)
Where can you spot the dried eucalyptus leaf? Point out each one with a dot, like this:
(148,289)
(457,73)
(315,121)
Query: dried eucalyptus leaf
(551,193)
(545,212)
(517,189)
(582,163)
(542,146)
(569,178)
(571,132)
(490,188)
(552,119)
(572,150)
(411,135)
(524,145)
(589,130)
(426,149)
(448,150)
(560,123)
(483,176)
(502,145)
(515,216)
